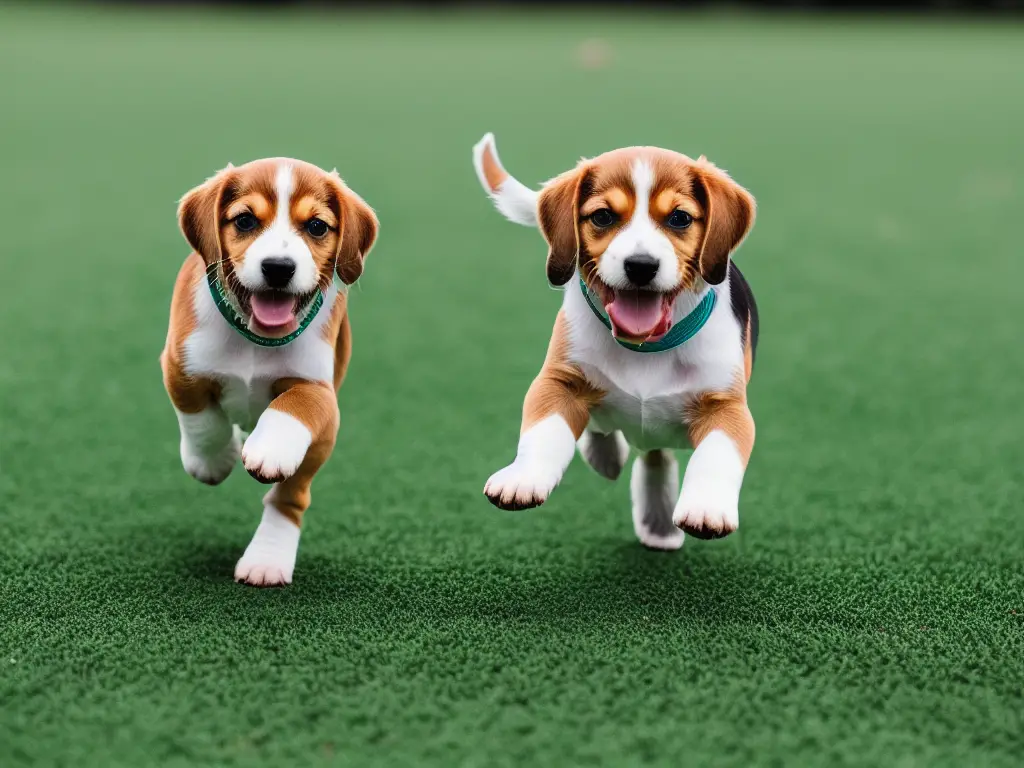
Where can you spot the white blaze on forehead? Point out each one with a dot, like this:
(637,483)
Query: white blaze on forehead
(641,235)
(284,185)
(643,184)
(281,239)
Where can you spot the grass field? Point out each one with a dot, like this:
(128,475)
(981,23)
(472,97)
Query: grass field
(869,611)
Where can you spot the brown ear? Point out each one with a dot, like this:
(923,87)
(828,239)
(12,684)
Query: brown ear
(558,213)
(358,232)
(730,211)
(199,216)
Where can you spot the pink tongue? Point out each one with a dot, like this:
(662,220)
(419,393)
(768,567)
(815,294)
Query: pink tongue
(636,313)
(273,309)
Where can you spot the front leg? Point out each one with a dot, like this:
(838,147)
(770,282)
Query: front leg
(210,445)
(299,415)
(292,440)
(722,433)
(555,412)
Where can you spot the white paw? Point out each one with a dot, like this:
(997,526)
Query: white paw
(667,543)
(653,491)
(262,574)
(706,518)
(269,560)
(522,484)
(708,506)
(276,448)
(211,467)
(606,454)
(545,450)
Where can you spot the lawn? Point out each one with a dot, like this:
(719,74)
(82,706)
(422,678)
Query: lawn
(869,611)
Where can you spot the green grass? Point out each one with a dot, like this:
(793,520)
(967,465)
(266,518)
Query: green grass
(869,611)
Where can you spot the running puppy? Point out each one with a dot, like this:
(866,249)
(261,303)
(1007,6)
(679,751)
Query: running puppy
(259,337)
(654,344)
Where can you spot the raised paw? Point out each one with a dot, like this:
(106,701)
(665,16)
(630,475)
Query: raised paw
(521,485)
(276,448)
(211,467)
(705,518)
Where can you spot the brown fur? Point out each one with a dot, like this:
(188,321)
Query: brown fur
(560,387)
(494,174)
(722,211)
(726,411)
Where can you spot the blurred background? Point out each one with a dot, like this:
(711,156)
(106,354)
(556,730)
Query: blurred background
(869,609)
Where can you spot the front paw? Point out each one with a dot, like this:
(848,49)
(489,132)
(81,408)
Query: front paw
(275,449)
(211,468)
(521,485)
(706,515)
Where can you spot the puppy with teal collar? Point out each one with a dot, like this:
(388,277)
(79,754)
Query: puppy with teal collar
(654,344)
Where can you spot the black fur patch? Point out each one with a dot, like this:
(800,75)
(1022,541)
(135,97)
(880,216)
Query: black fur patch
(743,306)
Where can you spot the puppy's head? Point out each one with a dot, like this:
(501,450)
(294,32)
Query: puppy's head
(643,224)
(278,229)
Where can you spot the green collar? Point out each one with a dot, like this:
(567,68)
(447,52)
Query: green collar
(679,334)
(227,309)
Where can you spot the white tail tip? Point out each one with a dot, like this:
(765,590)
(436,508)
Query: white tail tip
(515,201)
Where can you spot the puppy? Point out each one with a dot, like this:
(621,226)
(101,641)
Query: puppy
(259,337)
(654,344)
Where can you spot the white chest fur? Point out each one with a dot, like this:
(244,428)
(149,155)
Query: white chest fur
(245,370)
(646,393)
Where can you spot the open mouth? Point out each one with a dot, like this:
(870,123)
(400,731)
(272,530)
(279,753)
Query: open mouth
(637,315)
(273,313)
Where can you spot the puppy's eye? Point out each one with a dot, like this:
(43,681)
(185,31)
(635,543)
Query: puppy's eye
(316,227)
(246,222)
(679,219)
(603,218)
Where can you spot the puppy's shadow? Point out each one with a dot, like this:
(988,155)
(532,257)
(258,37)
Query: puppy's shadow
(614,582)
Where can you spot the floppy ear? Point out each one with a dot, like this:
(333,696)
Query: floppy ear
(557,214)
(730,211)
(358,232)
(199,216)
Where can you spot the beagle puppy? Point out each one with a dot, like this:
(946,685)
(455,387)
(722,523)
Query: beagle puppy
(654,343)
(259,337)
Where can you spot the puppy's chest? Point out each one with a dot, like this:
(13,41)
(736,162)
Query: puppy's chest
(247,372)
(646,402)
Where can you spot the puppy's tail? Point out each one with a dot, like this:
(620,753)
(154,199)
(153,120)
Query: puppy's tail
(516,201)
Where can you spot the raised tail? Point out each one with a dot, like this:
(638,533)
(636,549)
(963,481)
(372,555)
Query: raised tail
(514,200)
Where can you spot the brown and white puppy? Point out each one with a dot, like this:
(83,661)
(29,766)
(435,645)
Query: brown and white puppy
(274,232)
(650,231)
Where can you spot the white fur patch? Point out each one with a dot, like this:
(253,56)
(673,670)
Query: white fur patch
(653,490)
(209,445)
(269,560)
(515,201)
(545,450)
(708,505)
(278,240)
(277,446)
(246,370)
(640,236)
(645,393)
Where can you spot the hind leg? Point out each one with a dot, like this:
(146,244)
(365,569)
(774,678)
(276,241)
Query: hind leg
(654,489)
(606,454)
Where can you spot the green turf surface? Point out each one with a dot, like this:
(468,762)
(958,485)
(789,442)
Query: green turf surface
(869,611)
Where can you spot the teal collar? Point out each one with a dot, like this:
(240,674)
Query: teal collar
(235,320)
(678,334)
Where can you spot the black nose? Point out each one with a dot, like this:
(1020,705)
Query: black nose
(277,270)
(641,268)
